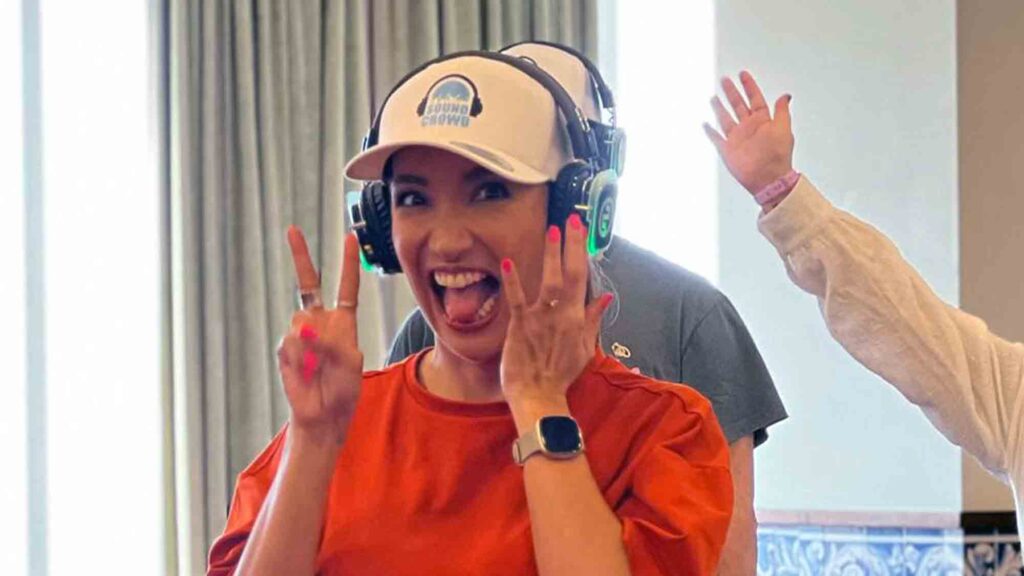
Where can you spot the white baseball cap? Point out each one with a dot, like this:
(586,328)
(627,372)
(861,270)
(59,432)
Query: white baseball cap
(570,72)
(482,109)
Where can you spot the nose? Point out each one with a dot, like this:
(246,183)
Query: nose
(450,241)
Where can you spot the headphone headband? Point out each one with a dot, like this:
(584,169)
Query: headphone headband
(604,93)
(581,138)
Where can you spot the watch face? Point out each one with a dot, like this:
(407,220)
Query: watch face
(560,434)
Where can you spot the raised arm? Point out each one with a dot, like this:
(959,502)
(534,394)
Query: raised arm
(321,367)
(966,379)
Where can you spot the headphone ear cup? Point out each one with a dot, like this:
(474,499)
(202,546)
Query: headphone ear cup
(602,194)
(475,108)
(375,205)
(567,192)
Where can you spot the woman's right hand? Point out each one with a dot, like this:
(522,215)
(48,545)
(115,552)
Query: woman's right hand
(319,359)
(756,148)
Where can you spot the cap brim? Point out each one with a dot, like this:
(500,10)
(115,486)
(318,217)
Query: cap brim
(369,165)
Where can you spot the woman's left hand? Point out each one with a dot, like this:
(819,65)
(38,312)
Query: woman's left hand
(549,341)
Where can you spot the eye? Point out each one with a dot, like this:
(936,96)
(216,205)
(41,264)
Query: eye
(409,198)
(492,191)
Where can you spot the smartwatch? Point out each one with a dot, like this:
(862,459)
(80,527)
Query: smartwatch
(557,437)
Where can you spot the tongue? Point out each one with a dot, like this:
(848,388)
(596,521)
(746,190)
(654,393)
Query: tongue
(461,304)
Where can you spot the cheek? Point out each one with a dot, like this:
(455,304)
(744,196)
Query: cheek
(407,240)
(527,250)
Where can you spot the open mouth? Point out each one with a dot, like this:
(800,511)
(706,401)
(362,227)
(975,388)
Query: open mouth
(469,298)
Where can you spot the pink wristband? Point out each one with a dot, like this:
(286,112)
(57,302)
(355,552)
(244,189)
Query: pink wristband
(778,188)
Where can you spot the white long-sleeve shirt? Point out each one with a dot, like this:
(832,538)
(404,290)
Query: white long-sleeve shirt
(965,379)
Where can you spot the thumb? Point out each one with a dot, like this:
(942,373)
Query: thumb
(782,111)
(715,138)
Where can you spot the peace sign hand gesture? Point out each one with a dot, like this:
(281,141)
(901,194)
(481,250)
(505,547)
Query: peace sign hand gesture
(319,359)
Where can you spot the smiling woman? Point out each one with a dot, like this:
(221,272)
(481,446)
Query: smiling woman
(470,454)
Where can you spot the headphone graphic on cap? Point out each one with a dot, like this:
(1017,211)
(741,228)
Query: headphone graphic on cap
(610,138)
(474,109)
(585,185)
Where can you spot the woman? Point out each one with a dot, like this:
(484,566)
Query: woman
(412,470)
(966,379)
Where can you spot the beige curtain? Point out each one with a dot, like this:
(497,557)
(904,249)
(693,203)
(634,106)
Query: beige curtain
(268,100)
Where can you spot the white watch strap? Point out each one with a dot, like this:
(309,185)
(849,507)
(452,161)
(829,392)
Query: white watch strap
(527,445)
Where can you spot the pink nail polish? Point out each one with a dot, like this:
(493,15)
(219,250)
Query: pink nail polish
(506,265)
(607,299)
(554,234)
(309,364)
(307,333)
(575,222)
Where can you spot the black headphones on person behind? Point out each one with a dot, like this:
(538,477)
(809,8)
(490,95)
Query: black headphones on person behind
(611,139)
(582,186)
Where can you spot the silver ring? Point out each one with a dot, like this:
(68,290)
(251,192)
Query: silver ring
(345,304)
(310,299)
(553,303)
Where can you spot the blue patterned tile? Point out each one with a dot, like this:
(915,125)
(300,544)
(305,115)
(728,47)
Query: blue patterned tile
(846,551)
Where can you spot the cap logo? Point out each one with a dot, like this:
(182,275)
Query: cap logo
(451,101)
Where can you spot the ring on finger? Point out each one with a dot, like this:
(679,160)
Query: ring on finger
(553,303)
(310,298)
(345,304)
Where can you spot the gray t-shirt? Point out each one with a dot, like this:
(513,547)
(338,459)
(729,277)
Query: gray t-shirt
(675,326)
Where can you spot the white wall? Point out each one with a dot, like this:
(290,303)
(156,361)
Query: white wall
(874,105)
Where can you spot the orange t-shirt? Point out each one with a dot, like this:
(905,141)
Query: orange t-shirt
(425,485)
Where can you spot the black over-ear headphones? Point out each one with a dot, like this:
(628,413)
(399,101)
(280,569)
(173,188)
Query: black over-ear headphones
(582,186)
(610,138)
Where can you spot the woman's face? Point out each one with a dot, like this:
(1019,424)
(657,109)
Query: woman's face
(453,223)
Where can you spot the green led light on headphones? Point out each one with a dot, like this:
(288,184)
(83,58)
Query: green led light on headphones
(367,267)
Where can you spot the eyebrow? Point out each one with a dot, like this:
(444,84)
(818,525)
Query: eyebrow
(409,179)
(477,173)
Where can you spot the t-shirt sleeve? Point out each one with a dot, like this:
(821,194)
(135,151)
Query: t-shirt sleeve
(413,336)
(720,357)
(676,513)
(250,491)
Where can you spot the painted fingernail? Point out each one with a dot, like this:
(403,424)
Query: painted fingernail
(506,265)
(607,298)
(575,222)
(309,364)
(307,333)
(554,234)
(789,98)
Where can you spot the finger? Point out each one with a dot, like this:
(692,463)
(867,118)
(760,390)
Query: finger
(512,288)
(753,92)
(305,272)
(739,105)
(348,290)
(551,276)
(725,120)
(592,317)
(289,359)
(782,112)
(715,138)
(575,257)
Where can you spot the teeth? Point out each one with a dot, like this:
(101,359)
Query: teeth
(460,280)
(487,306)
